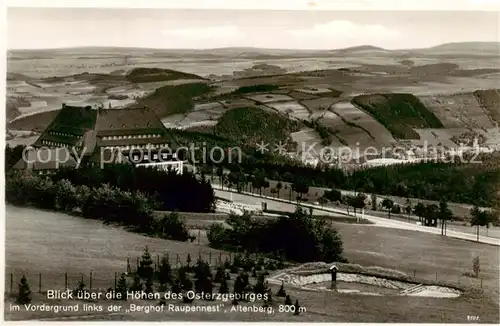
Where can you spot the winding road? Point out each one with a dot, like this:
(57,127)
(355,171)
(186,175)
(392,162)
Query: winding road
(287,206)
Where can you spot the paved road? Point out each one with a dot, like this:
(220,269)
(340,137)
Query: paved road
(274,204)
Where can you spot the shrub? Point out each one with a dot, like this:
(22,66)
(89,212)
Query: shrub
(173,227)
(476,266)
(24,294)
(136,285)
(297,237)
(281,292)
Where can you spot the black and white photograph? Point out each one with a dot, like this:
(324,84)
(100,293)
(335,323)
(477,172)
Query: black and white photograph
(298,165)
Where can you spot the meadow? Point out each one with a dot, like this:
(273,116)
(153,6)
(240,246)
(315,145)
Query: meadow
(77,246)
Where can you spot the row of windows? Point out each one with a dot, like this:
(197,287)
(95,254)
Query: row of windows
(129,147)
(131,137)
(54,144)
(164,156)
(55,133)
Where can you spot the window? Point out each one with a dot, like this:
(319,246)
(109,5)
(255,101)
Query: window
(155,156)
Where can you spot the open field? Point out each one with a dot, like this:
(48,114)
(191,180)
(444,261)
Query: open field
(80,246)
(399,113)
(104,249)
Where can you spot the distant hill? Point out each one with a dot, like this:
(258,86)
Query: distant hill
(362,48)
(492,48)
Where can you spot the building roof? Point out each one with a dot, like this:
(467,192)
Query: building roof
(69,125)
(93,129)
(46,159)
(126,119)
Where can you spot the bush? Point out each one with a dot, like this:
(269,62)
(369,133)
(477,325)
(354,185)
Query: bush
(173,227)
(24,294)
(297,237)
(476,266)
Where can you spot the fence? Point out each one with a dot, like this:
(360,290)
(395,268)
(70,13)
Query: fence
(102,281)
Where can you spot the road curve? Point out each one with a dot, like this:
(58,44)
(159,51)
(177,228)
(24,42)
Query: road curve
(287,206)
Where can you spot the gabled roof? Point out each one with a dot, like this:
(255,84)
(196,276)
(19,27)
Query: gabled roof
(126,119)
(130,121)
(69,125)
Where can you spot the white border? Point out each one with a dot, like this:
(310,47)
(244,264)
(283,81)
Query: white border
(455,5)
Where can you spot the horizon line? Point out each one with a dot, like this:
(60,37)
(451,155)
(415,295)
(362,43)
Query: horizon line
(246,47)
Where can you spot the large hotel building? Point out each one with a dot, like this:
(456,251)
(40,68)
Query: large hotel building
(101,136)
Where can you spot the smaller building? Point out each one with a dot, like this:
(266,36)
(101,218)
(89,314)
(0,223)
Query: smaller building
(45,161)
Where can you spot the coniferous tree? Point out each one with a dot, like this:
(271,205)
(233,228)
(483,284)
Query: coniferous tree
(269,295)
(80,287)
(145,269)
(281,292)
(261,285)
(121,287)
(288,300)
(239,285)
(227,263)
(24,294)
(297,307)
(245,279)
(223,286)
(148,285)
(136,285)
(187,285)
(164,272)
(220,274)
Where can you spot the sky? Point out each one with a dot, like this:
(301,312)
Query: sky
(38,28)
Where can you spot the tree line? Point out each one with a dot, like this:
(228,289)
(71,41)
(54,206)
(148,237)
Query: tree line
(473,184)
(295,237)
(104,202)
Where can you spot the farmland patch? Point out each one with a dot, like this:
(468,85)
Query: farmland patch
(399,113)
(268,98)
(364,121)
(489,100)
(291,109)
(319,104)
(457,110)
(305,138)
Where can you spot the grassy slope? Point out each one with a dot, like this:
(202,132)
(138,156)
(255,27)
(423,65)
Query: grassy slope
(490,101)
(250,126)
(398,113)
(35,122)
(84,245)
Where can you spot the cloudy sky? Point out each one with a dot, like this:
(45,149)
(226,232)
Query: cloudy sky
(35,28)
